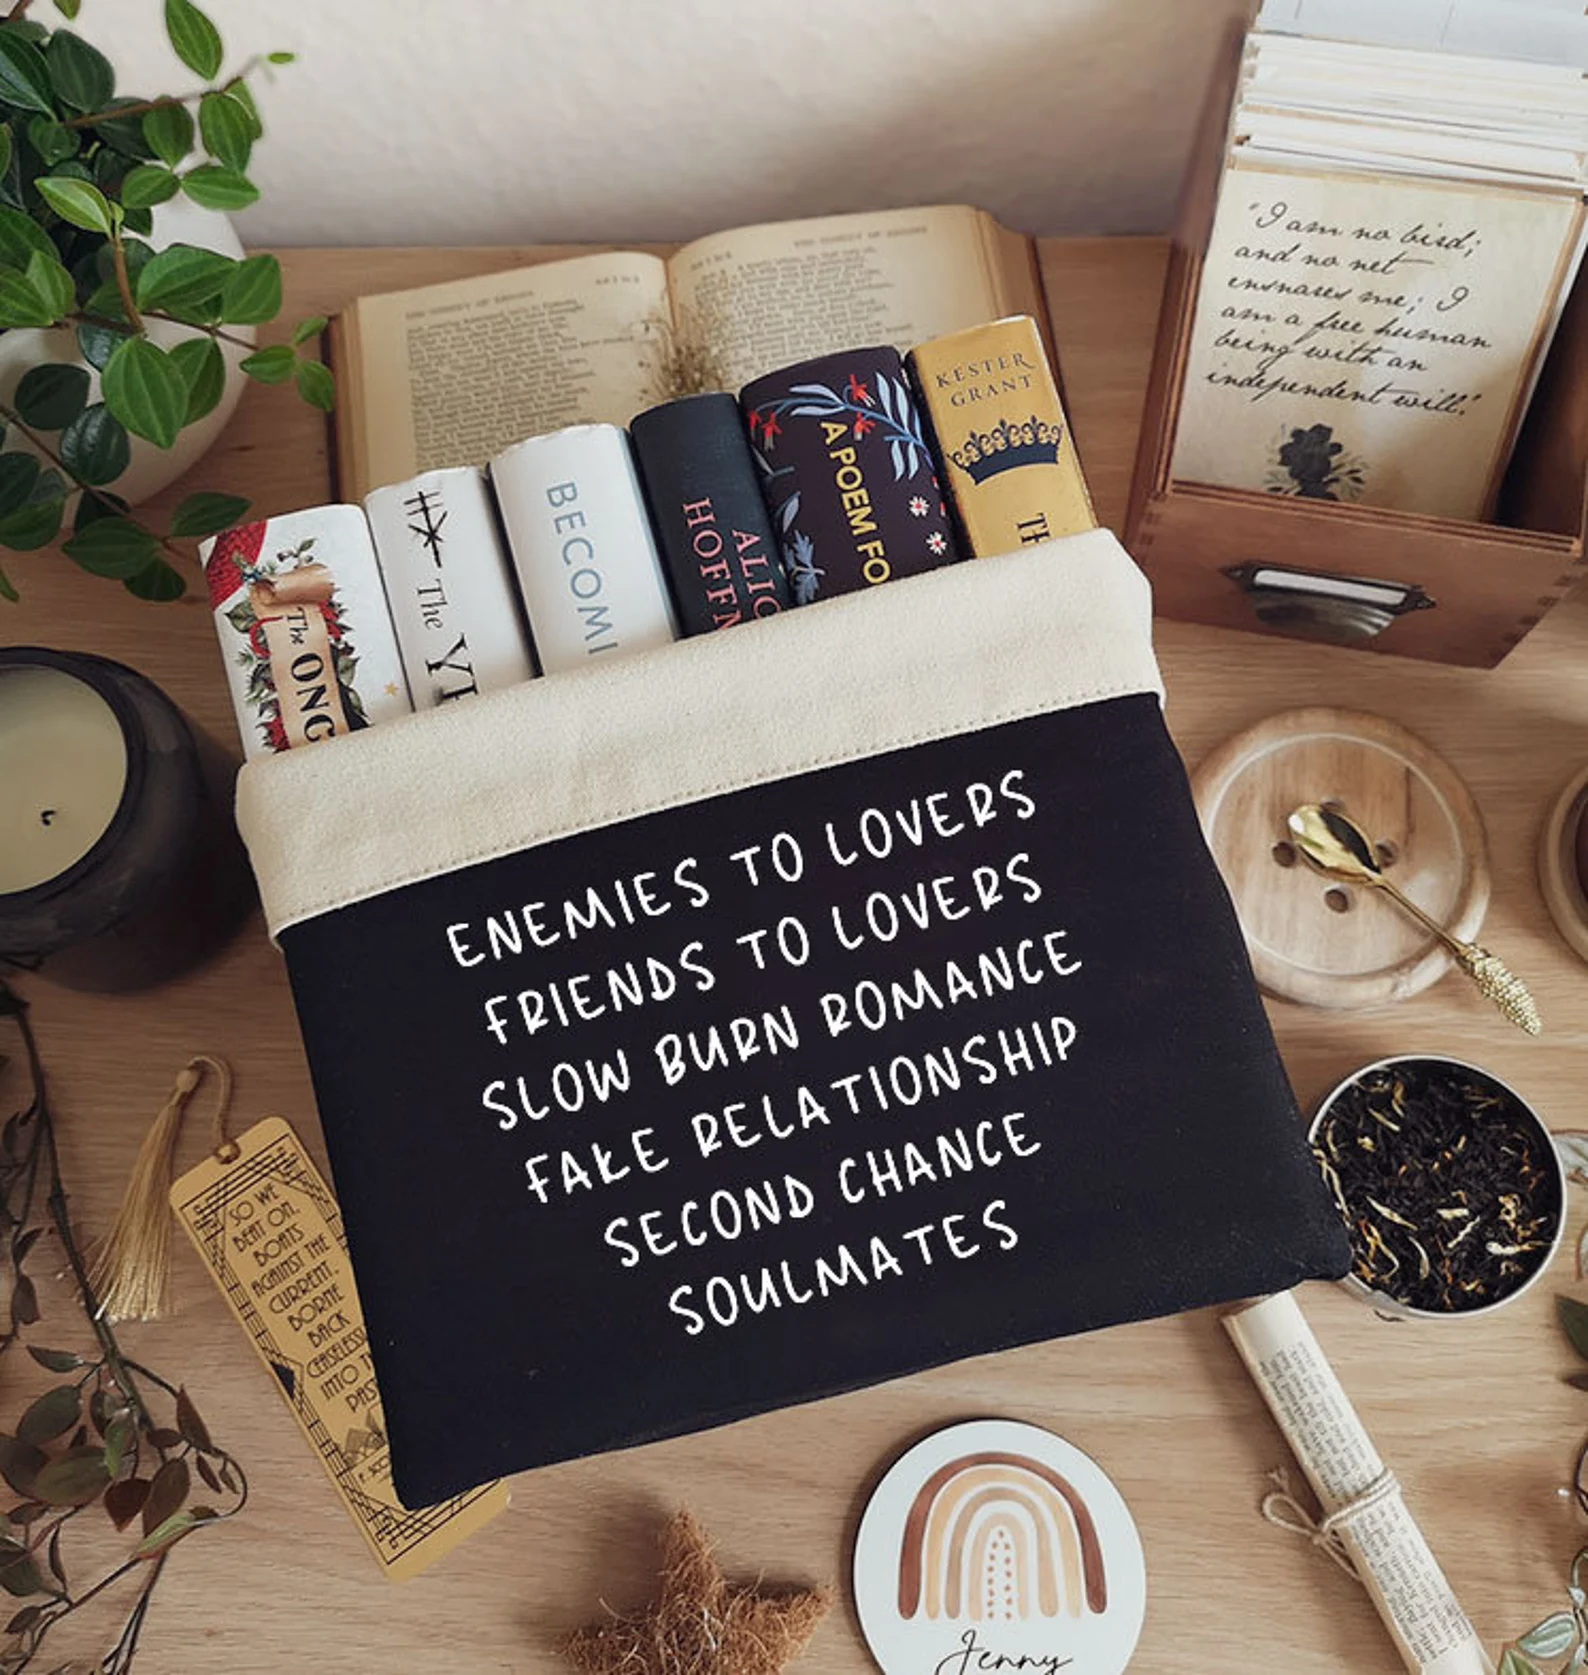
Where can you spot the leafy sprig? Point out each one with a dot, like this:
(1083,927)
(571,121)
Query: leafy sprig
(81,170)
(94,1439)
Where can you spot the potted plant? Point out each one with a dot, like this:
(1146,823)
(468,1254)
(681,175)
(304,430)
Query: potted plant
(118,336)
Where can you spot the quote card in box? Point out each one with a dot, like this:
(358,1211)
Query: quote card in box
(778,1012)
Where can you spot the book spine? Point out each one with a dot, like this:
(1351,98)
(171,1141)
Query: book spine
(304,627)
(847,472)
(581,543)
(716,541)
(1007,455)
(453,601)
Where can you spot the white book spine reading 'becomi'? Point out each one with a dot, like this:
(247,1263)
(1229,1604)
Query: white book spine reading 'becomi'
(582,546)
(453,601)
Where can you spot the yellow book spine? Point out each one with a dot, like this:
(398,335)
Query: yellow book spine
(1008,457)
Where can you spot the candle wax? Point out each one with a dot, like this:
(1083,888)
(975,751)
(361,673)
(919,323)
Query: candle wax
(63,767)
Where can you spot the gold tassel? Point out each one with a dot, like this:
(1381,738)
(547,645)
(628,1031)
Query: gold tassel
(132,1267)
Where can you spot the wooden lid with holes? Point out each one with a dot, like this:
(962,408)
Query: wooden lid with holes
(1333,944)
(1563,863)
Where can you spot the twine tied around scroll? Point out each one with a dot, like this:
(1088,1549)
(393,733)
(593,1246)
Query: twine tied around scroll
(132,1267)
(1281,1508)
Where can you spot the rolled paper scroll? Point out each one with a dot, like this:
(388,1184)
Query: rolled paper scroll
(1361,1501)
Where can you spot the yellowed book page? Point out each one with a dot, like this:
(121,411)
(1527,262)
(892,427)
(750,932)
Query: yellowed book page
(1370,338)
(452,374)
(765,297)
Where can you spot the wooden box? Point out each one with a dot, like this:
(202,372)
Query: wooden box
(1397,582)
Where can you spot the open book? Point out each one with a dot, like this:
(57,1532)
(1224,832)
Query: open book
(451,374)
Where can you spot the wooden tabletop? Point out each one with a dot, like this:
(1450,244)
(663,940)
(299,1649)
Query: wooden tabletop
(1473,1416)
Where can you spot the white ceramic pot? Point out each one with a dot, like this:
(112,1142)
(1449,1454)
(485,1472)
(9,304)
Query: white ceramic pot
(150,469)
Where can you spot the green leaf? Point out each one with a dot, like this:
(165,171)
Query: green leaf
(94,446)
(169,132)
(7,147)
(20,1464)
(121,1432)
(124,132)
(80,74)
(24,76)
(18,474)
(52,140)
(1512,1662)
(149,183)
(226,130)
(270,366)
(145,390)
(205,514)
(238,90)
(52,1415)
(1552,1638)
(253,292)
(1574,1322)
(21,1577)
(77,201)
(20,237)
(50,396)
(161,1537)
(194,39)
(34,526)
(7,591)
(115,547)
(305,329)
(68,8)
(281,57)
(215,187)
(182,276)
(20,304)
(73,1479)
(139,219)
(201,363)
(52,283)
(57,1360)
(157,582)
(97,344)
(316,385)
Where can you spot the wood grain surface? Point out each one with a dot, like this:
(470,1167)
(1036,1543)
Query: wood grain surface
(1473,1416)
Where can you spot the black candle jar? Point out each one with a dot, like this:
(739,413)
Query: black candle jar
(153,877)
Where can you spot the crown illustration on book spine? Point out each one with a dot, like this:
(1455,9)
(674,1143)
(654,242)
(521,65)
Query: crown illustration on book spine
(984,453)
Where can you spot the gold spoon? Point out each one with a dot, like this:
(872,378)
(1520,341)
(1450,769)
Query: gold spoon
(1339,848)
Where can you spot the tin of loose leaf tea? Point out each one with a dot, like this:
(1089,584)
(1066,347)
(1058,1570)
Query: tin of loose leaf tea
(1449,1184)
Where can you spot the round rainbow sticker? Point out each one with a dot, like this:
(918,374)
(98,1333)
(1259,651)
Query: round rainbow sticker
(996,1545)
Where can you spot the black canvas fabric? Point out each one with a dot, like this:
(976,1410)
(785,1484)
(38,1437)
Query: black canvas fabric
(1164,1164)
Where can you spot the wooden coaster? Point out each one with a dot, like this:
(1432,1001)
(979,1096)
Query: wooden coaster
(1333,944)
(1561,847)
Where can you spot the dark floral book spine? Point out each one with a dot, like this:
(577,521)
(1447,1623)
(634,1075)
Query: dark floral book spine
(847,473)
(716,543)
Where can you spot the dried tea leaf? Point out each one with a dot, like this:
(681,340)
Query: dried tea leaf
(164,1438)
(52,1415)
(57,1570)
(190,1425)
(24,1619)
(167,1492)
(125,1500)
(1574,1322)
(211,1481)
(1578,1381)
(24,1302)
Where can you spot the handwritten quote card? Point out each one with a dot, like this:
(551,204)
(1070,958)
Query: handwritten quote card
(1368,338)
